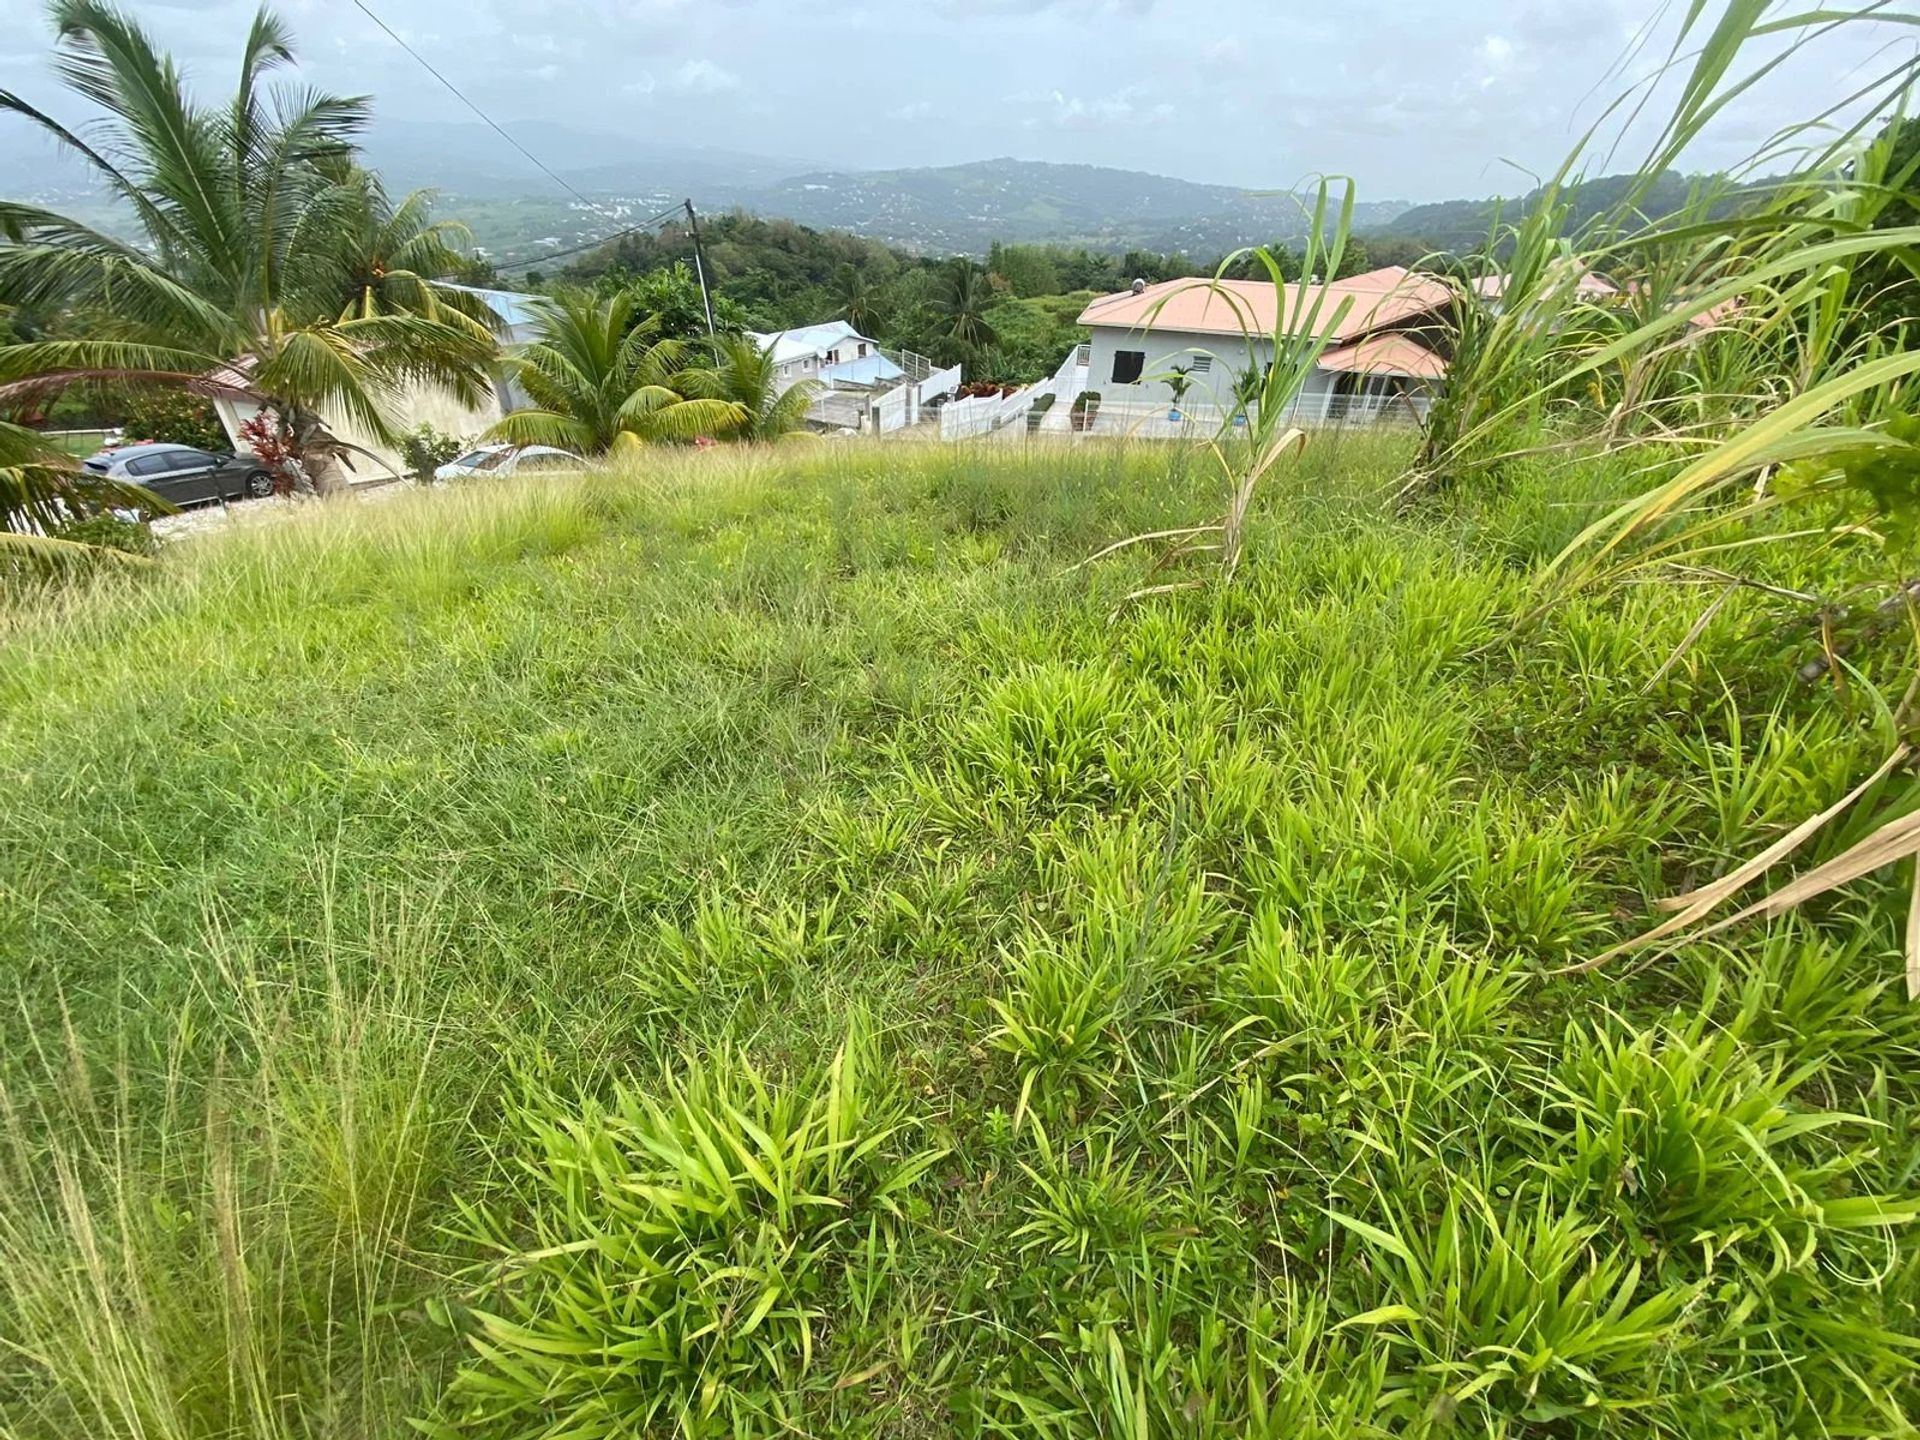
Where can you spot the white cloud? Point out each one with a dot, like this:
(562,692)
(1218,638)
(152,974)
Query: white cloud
(568,48)
(966,10)
(1080,114)
(1423,102)
(1225,53)
(703,77)
(1495,55)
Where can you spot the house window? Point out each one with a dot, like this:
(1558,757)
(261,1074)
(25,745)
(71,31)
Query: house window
(1127,365)
(1202,365)
(863,350)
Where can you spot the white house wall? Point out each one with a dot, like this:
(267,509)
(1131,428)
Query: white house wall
(417,405)
(1165,349)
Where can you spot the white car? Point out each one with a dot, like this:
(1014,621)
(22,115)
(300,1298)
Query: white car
(508,460)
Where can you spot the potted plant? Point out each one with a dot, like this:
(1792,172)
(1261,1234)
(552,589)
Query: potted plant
(1247,388)
(1179,381)
(1086,405)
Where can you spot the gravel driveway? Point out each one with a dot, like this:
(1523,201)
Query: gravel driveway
(206,519)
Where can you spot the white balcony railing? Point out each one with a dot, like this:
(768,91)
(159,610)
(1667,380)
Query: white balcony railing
(1162,420)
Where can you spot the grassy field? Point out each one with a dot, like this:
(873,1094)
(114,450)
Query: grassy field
(760,946)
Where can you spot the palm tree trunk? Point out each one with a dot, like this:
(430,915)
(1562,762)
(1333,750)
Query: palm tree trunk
(316,452)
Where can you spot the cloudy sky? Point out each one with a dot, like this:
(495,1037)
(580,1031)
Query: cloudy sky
(1418,102)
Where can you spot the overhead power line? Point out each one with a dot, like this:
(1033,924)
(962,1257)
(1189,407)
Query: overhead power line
(539,260)
(693,220)
(460,95)
(685,207)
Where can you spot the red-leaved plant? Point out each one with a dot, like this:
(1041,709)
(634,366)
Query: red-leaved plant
(272,444)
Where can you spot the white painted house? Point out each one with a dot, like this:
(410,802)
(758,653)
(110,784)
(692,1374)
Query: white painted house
(859,386)
(1383,360)
(832,354)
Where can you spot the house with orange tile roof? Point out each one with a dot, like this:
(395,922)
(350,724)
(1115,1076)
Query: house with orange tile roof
(1384,331)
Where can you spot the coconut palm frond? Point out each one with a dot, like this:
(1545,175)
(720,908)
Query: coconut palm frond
(325,365)
(73,270)
(41,488)
(265,249)
(788,414)
(609,376)
(151,218)
(654,412)
(745,375)
(543,427)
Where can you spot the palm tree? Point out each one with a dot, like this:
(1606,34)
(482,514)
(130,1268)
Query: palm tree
(599,382)
(41,489)
(855,295)
(248,218)
(963,303)
(744,376)
(394,258)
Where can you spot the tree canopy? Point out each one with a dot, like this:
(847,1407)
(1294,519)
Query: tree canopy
(271,268)
(601,377)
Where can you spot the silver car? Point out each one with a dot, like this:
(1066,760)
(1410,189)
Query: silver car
(509,460)
(182,475)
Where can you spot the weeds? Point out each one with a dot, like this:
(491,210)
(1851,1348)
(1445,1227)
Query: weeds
(685,1250)
(712,949)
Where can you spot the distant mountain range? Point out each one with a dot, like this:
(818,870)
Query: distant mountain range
(518,214)
(942,210)
(967,207)
(472,161)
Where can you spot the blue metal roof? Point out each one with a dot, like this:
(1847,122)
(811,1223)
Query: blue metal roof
(514,309)
(870,370)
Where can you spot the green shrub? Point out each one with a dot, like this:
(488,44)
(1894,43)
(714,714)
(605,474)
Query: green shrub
(427,449)
(1689,1145)
(177,418)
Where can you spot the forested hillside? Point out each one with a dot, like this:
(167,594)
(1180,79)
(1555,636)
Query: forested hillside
(1461,225)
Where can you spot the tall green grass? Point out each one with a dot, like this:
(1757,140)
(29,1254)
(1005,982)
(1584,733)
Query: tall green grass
(754,944)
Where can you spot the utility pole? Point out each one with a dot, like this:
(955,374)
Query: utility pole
(700,267)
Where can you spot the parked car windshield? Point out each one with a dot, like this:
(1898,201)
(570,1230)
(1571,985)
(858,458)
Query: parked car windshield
(545,460)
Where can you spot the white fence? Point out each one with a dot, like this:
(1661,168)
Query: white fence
(941,382)
(992,414)
(881,413)
(902,406)
(1013,416)
(895,409)
(965,419)
(916,366)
